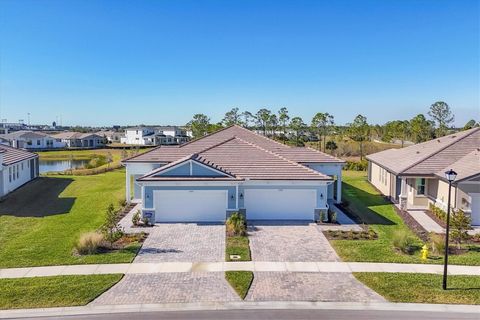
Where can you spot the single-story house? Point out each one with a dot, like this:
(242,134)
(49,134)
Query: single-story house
(31,140)
(17,168)
(80,140)
(414,176)
(233,169)
(111,136)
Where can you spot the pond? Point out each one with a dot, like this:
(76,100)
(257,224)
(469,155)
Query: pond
(60,165)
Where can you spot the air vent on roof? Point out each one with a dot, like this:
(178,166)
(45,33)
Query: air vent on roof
(438,140)
(418,152)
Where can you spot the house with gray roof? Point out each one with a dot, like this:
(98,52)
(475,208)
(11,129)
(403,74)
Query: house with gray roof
(80,140)
(414,176)
(32,140)
(233,169)
(17,167)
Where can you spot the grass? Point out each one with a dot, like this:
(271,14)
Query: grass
(57,291)
(115,154)
(240,281)
(41,221)
(238,245)
(380,215)
(423,288)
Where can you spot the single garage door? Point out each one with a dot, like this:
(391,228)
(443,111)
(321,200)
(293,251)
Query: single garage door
(190,205)
(280,204)
(475,209)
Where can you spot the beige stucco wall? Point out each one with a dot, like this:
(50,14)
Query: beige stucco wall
(384,187)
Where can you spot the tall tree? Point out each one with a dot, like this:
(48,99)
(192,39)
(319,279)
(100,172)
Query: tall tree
(298,127)
(263,118)
(283,118)
(232,117)
(420,129)
(397,129)
(442,116)
(359,131)
(321,123)
(469,125)
(273,123)
(248,118)
(199,125)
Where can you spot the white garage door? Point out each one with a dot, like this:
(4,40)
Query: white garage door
(190,205)
(475,208)
(280,204)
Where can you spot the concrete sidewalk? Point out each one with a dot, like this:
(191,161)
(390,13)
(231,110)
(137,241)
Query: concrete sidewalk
(257,266)
(277,305)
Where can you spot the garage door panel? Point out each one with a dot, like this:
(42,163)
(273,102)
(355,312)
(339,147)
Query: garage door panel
(475,206)
(280,204)
(190,205)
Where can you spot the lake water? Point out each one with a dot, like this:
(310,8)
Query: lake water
(60,165)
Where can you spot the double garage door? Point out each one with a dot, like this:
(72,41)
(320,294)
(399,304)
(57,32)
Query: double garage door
(211,205)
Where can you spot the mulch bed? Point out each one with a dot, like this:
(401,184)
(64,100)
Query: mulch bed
(435,218)
(412,224)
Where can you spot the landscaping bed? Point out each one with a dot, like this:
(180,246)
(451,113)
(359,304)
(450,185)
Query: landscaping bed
(423,288)
(237,245)
(56,291)
(240,281)
(350,235)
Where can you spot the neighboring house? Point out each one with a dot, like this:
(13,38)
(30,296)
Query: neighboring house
(231,170)
(146,136)
(141,136)
(80,140)
(17,168)
(414,176)
(31,140)
(111,136)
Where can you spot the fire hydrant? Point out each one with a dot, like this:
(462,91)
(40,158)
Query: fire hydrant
(424,252)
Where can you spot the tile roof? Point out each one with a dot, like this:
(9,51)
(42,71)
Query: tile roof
(167,154)
(466,167)
(243,160)
(13,155)
(74,135)
(429,157)
(24,134)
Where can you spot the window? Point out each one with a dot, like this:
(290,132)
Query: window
(13,173)
(18,170)
(10,174)
(420,183)
(22,166)
(29,142)
(38,142)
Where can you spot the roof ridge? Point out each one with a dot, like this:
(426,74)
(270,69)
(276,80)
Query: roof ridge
(261,136)
(207,135)
(281,157)
(441,149)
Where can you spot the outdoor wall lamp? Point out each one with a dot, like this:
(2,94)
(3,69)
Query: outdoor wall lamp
(321,195)
(450,175)
(241,195)
(232,197)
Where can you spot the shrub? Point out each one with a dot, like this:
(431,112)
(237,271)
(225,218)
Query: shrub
(145,221)
(437,243)
(136,218)
(439,213)
(404,241)
(356,165)
(89,243)
(332,216)
(460,223)
(111,230)
(236,225)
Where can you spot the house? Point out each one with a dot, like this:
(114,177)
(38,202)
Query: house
(414,176)
(31,140)
(172,134)
(17,168)
(111,136)
(80,140)
(142,136)
(231,170)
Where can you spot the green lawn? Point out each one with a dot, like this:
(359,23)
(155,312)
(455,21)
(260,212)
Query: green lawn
(238,245)
(40,222)
(380,215)
(57,291)
(423,288)
(240,281)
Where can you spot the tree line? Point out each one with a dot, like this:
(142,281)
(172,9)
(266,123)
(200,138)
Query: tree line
(322,129)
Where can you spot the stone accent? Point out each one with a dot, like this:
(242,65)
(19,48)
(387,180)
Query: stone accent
(305,286)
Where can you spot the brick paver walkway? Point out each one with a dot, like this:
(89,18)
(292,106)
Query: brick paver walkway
(289,241)
(183,242)
(169,288)
(306,286)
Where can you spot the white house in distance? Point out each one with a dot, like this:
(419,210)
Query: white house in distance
(141,136)
(110,135)
(31,140)
(231,170)
(415,176)
(80,140)
(147,136)
(17,168)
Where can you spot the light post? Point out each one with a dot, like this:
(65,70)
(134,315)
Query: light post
(450,175)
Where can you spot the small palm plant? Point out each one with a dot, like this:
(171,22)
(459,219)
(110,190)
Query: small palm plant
(236,225)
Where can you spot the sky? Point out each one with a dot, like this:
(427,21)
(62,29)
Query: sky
(94,62)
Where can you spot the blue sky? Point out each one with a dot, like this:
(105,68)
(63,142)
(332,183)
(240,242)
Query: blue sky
(131,62)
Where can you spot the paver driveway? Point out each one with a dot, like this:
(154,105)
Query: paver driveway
(183,242)
(169,288)
(289,241)
(303,286)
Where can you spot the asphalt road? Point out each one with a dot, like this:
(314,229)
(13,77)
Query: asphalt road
(276,315)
